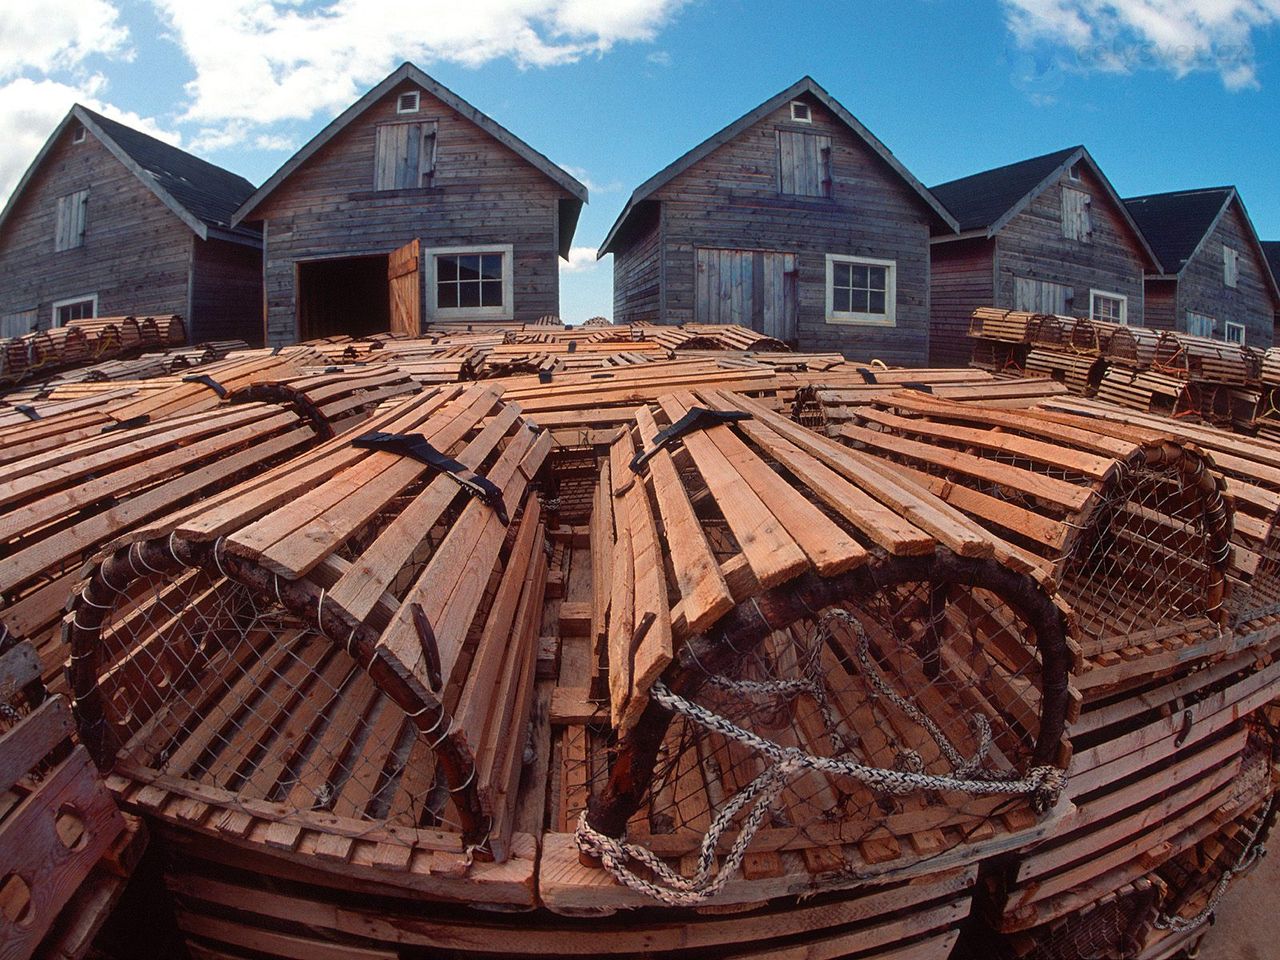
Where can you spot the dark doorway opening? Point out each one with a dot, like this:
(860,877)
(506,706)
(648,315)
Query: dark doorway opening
(346,295)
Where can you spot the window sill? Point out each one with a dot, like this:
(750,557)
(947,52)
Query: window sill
(863,321)
(467,313)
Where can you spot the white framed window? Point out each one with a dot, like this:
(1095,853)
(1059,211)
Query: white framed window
(408,102)
(862,290)
(1200,325)
(79,134)
(1233,332)
(1108,307)
(801,112)
(75,308)
(68,228)
(1073,172)
(1230,266)
(472,283)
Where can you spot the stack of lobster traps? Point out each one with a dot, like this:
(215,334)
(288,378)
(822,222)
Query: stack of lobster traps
(721,653)
(1002,339)
(42,353)
(1170,592)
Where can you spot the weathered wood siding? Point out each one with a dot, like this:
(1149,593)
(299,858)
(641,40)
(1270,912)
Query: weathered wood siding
(1032,246)
(730,200)
(1201,288)
(226,292)
(1160,304)
(962,277)
(637,276)
(483,193)
(136,253)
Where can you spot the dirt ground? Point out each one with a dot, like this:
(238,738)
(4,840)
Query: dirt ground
(1248,920)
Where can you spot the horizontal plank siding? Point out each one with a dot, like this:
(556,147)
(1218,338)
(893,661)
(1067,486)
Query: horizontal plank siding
(1201,288)
(226,292)
(961,277)
(731,200)
(135,253)
(481,193)
(1032,246)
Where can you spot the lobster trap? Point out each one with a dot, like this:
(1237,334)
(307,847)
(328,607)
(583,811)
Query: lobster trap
(1131,525)
(829,660)
(343,646)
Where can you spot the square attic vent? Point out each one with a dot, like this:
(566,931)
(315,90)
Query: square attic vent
(407,102)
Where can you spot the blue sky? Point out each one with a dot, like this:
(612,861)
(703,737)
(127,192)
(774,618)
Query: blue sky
(1166,94)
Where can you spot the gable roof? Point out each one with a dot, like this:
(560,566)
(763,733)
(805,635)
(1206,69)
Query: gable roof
(202,195)
(804,85)
(407,71)
(986,200)
(1179,224)
(1272,250)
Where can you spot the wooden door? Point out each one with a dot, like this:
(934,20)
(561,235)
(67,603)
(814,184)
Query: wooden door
(404,281)
(1040,296)
(755,288)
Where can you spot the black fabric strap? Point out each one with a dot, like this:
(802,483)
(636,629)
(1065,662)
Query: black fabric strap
(208,381)
(415,445)
(867,375)
(28,411)
(698,418)
(915,385)
(141,420)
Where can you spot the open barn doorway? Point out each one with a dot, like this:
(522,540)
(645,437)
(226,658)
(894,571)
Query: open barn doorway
(343,295)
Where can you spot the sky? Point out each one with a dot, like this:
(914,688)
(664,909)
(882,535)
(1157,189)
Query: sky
(1166,94)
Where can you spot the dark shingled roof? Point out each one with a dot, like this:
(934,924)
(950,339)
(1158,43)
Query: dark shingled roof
(1272,249)
(980,200)
(1176,222)
(210,193)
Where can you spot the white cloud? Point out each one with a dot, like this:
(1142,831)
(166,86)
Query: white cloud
(264,61)
(30,109)
(659,58)
(57,32)
(581,260)
(583,177)
(1121,36)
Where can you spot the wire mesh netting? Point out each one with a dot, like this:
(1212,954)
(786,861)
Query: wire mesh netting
(1149,535)
(936,679)
(202,679)
(1155,526)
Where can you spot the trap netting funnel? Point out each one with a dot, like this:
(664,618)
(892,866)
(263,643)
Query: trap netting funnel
(338,646)
(1131,524)
(806,654)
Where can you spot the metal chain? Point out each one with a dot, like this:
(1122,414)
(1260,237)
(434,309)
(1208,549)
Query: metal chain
(1043,784)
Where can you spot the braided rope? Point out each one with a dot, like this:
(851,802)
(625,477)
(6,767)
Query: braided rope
(1043,784)
(1251,854)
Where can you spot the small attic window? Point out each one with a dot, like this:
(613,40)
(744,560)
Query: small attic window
(800,112)
(1073,172)
(407,102)
(78,135)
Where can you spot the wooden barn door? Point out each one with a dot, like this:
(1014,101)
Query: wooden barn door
(403,278)
(756,288)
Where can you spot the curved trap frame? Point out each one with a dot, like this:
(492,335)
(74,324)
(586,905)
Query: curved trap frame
(1115,516)
(61,504)
(807,653)
(324,646)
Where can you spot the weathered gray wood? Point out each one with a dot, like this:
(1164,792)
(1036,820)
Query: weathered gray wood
(760,191)
(385,179)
